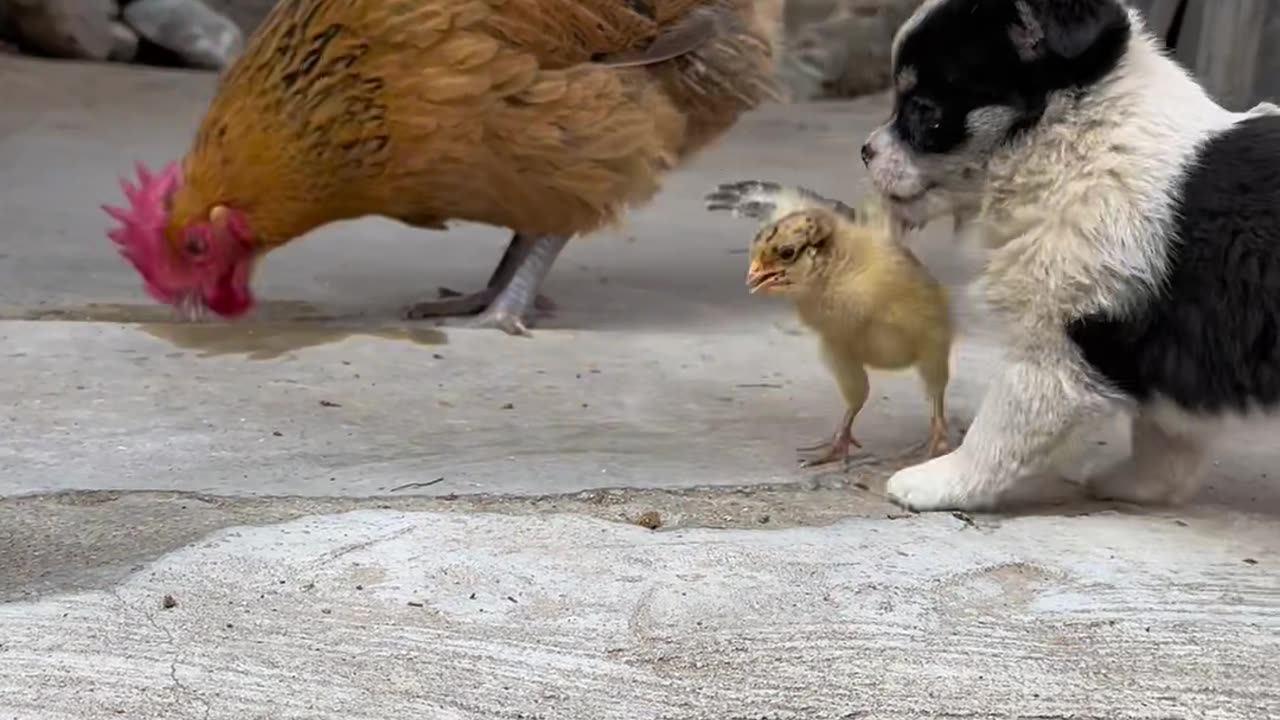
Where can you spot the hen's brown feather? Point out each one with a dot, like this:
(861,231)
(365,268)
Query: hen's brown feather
(498,111)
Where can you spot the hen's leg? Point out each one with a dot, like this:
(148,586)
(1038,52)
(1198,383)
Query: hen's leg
(522,253)
(514,307)
(476,302)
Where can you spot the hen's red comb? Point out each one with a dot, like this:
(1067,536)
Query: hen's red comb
(140,237)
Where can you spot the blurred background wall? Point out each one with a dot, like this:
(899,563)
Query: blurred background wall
(835,48)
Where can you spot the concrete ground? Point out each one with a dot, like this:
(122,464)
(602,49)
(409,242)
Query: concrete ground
(325,512)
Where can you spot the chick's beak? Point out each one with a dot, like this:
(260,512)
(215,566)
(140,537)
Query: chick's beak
(760,277)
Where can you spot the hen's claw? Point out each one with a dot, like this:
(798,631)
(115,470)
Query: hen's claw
(457,304)
(759,200)
(501,320)
(469,304)
(753,199)
(511,302)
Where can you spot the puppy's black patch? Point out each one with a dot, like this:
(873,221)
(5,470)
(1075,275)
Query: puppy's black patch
(965,55)
(1211,341)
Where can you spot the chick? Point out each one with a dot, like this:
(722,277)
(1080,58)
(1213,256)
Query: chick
(872,303)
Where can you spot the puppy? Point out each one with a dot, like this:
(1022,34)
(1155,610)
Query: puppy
(1131,228)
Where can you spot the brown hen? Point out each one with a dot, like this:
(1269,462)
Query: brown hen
(548,117)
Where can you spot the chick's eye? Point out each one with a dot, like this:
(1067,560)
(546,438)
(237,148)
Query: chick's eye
(787,254)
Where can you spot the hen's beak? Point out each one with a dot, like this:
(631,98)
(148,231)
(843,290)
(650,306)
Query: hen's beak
(760,277)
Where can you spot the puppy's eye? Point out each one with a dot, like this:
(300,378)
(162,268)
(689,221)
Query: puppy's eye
(787,254)
(924,112)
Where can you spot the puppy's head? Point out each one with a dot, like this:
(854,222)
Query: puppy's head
(970,76)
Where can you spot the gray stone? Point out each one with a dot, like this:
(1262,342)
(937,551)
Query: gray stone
(188,28)
(1222,44)
(1267,75)
(248,14)
(78,29)
(1159,15)
(840,48)
(8,33)
(125,48)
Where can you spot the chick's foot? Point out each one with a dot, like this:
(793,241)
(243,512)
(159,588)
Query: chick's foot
(511,302)
(939,443)
(834,450)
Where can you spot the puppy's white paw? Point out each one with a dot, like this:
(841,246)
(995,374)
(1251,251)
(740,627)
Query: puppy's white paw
(938,484)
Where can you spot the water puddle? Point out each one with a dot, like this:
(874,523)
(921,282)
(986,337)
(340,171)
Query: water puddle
(275,328)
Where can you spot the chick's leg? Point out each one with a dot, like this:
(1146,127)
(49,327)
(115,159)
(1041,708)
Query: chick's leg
(855,387)
(935,371)
(511,298)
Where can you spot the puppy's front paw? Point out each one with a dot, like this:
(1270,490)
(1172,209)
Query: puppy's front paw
(754,199)
(1130,482)
(938,484)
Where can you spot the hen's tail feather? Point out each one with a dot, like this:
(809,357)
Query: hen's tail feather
(684,37)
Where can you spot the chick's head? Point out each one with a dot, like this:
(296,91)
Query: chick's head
(792,254)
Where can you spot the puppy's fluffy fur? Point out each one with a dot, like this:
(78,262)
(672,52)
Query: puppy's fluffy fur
(1132,230)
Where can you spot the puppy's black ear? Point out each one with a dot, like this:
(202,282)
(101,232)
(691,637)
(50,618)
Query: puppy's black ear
(1069,30)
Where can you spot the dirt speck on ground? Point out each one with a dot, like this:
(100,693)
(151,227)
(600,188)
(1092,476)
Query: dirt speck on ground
(651,519)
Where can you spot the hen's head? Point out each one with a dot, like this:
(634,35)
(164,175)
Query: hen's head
(192,264)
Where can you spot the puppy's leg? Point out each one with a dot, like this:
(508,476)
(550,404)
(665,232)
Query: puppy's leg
(1165,467)
(1026,413)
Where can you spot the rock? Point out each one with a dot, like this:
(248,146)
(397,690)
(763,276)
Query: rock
(248,14)
(840,48)
(7,31)
(125,47)
(188,29)
(76,29)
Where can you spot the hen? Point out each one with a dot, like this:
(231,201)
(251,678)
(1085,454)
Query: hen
(547,117)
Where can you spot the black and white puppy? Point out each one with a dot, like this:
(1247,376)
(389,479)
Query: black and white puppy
(1131,227)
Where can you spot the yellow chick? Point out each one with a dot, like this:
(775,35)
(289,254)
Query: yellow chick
(872,303)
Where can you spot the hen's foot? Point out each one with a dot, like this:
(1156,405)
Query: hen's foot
(454,304)
(494,317)
(451,304)
(511,303)
(760,200)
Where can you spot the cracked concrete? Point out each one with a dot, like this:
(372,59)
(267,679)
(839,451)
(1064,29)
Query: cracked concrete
(385,614)
(357,517)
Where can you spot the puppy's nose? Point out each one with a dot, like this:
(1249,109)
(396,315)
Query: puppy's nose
(868,153)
